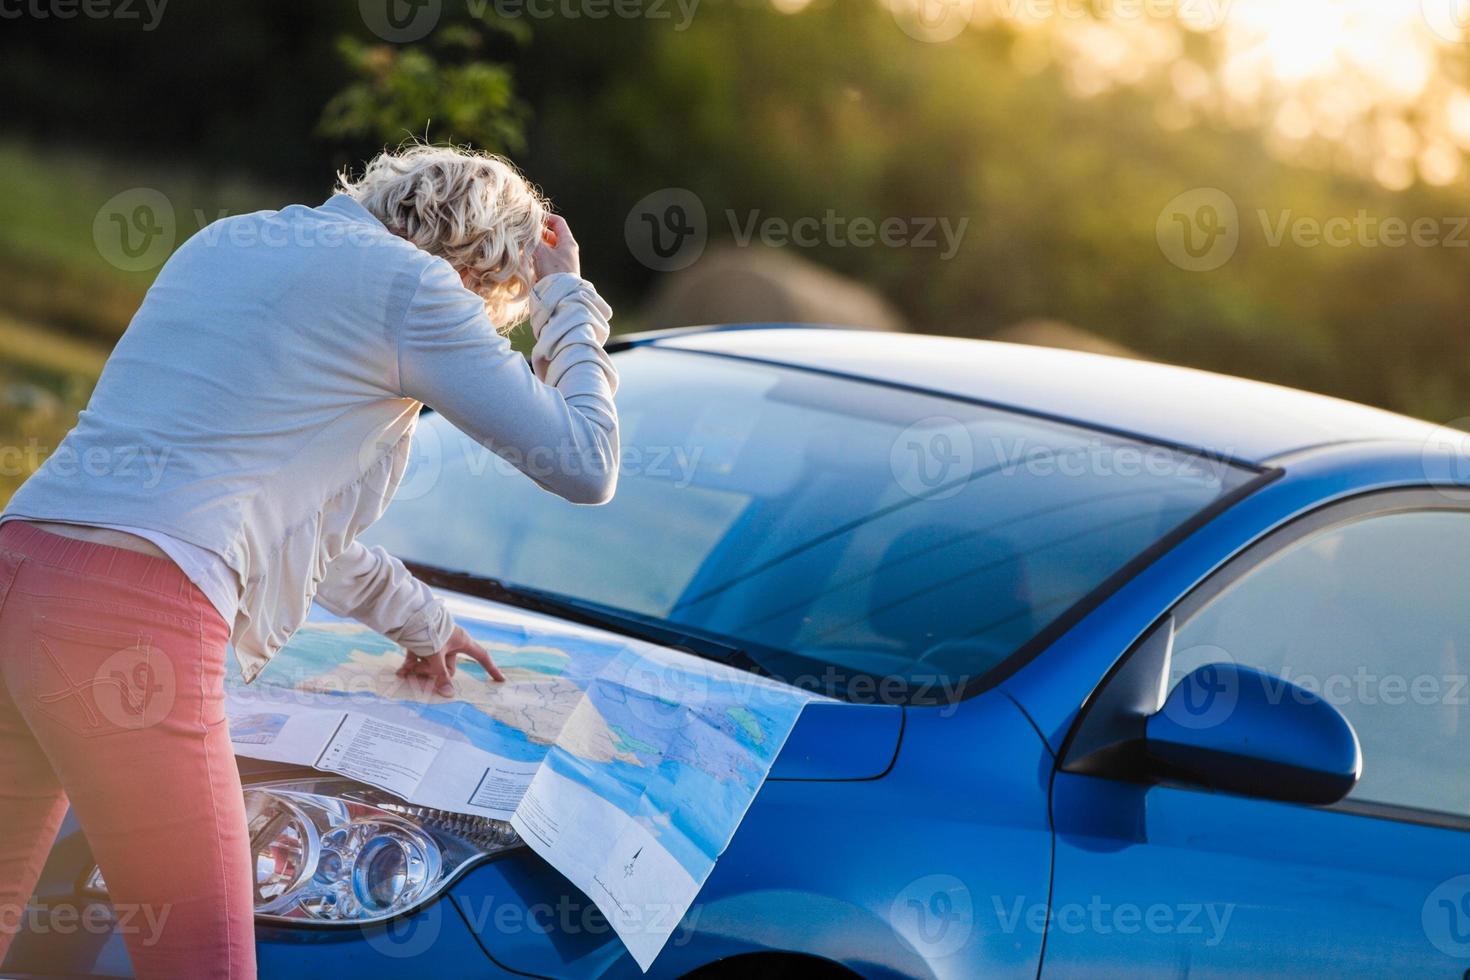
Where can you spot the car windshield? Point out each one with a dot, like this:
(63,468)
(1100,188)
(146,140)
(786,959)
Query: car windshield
(836,531)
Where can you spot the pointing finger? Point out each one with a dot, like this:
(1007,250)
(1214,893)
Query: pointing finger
(482,657)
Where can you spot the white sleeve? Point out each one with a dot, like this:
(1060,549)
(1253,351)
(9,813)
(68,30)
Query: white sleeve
(372,587)
(553,420)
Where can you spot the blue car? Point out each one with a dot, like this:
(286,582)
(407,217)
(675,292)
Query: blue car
(1133,671)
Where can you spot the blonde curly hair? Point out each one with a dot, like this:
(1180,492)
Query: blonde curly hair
(473,209)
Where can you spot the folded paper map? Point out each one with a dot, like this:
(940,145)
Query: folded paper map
(626,765)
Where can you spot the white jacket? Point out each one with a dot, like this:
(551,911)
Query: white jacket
(262,402)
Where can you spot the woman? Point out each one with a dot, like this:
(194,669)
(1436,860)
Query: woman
(252,421)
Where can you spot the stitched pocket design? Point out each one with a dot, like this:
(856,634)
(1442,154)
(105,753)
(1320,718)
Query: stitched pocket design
(95,681)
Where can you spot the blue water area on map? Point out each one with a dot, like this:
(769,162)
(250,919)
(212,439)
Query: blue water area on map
(704,743)
(313,651)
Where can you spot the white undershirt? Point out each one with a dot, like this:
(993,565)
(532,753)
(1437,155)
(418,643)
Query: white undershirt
(204,568)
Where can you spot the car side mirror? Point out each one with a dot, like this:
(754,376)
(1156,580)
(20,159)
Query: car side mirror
(1244,731)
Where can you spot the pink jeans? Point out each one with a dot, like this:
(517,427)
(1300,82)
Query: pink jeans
(112,696)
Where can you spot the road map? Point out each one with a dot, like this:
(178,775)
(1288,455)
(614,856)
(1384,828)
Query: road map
(627,766)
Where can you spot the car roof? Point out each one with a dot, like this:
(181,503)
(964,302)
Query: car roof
(1244,420)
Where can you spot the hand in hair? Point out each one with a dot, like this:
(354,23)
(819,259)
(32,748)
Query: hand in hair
(557,250)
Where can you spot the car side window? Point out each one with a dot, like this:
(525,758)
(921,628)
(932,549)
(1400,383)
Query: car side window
(1373,615)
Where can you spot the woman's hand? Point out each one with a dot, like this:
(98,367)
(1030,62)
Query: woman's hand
(557,250)
(439,667)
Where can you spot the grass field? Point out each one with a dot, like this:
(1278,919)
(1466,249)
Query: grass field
(63,304)
(52,271)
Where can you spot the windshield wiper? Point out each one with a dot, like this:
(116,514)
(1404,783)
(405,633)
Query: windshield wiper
(589,613)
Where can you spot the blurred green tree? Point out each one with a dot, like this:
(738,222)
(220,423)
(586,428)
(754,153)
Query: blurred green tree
(1060,139)
(444,91)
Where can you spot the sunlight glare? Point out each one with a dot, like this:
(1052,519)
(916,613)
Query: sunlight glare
(1386,44)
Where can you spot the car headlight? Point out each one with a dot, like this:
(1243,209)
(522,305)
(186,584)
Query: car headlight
(331,850)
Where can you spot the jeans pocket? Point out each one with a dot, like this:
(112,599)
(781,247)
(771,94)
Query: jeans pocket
(10,563)
(96,680)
